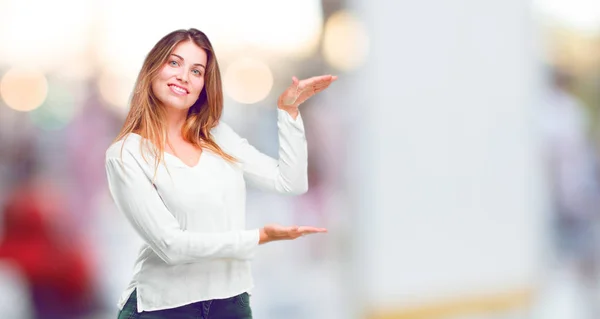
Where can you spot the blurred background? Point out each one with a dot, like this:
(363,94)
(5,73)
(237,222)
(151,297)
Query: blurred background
(454,162)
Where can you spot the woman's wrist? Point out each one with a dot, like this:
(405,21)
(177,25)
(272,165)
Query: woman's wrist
(292,110)
(263,238)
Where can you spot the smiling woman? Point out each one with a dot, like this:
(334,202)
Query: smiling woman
(171,97)
(190,210)
(179,83)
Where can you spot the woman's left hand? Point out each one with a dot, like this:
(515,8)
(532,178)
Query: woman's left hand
(302,90)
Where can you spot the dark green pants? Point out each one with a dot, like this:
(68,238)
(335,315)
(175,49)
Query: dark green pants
(237,307)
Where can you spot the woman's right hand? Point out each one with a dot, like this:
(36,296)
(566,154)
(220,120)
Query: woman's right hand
(274,232)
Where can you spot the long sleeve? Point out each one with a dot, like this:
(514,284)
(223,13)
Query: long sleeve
(136,197)
(288,173)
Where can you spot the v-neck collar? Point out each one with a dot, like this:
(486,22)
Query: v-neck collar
(176,161)
(167,154)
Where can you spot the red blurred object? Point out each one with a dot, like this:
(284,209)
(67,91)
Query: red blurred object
(58,273)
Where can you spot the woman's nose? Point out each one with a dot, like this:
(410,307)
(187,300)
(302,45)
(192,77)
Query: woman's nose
(182,76)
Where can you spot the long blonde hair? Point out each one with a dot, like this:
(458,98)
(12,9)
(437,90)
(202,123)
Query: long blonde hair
(147,116)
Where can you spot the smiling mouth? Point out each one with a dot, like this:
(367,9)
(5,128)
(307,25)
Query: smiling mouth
(178,89)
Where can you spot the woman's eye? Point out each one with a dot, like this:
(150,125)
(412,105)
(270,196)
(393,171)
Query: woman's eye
(173,63)
(197,72)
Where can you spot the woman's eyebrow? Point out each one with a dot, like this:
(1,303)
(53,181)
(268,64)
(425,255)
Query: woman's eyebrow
(199,64)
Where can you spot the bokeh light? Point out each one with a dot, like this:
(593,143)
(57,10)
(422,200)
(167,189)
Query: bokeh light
(23,89)
(57,111)
(116,90)
(248,80)
(345,41)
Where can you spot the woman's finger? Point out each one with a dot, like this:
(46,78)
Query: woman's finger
(293,232)
(318,86)
(301,90)
(312,229)
(316,79)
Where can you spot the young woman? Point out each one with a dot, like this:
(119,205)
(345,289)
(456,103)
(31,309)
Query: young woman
(178,174)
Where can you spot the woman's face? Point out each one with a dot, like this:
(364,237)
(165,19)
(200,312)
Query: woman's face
(181,79)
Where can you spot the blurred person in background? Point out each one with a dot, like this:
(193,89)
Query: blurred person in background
(178,174)
(36,244)
(575,190)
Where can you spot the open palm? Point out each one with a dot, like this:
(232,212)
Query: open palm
(274,232)
(301,90)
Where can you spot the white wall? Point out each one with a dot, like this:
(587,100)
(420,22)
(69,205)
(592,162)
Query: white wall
(446,177)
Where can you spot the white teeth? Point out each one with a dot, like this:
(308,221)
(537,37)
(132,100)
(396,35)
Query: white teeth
(178,89)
